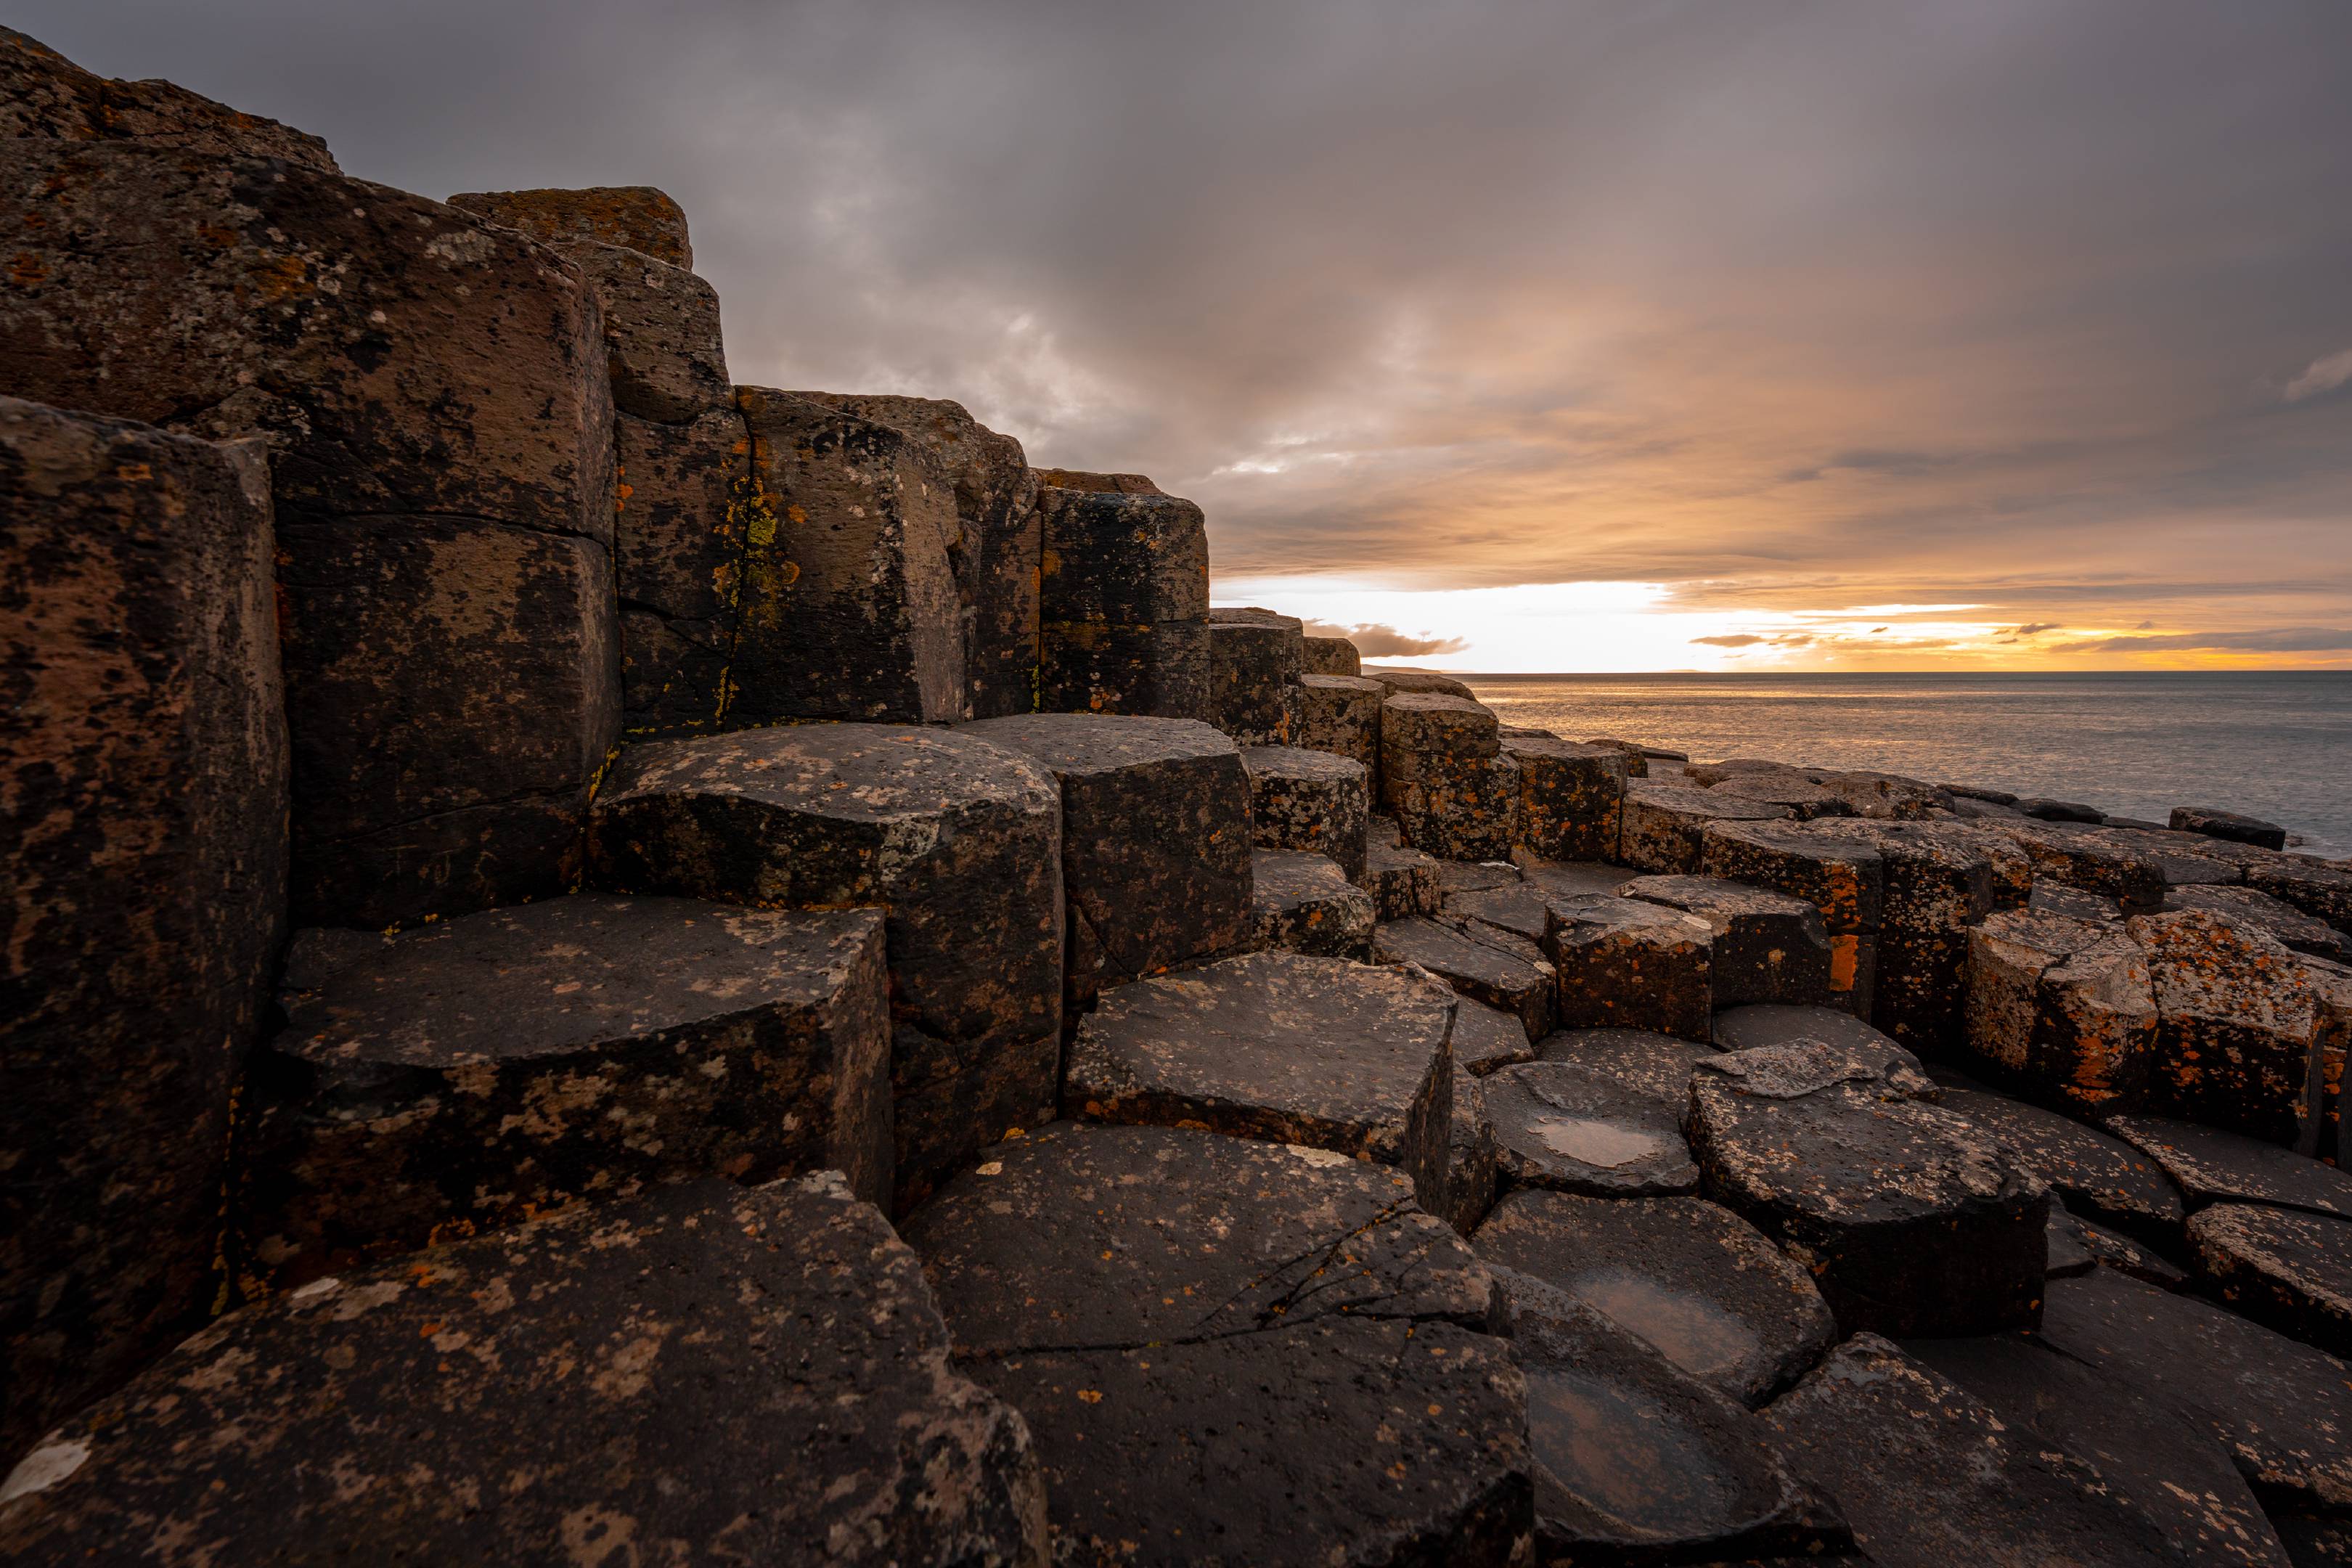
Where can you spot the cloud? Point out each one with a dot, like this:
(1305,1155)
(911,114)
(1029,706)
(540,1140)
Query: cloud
(2288,640)
(1738,641)
(2322,375)
(2033,628)
(1375,641)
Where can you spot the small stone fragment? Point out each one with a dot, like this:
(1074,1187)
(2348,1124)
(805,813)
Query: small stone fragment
(1562,1126)
(1692,1277)
(2238,1027)
(1626,965)
(2046,810)
(2062,1009)
(1767,947)
(1304,903)
(1341,715)
(1488,1037)
(1665,824)
(1313,801)
(2228,824)
(1489,965)
(1316,1051)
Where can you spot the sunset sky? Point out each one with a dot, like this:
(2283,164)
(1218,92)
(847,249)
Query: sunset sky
(1541,336)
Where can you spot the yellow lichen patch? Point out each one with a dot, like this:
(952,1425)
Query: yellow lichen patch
(25,270)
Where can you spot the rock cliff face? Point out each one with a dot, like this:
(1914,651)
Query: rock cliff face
(658,969)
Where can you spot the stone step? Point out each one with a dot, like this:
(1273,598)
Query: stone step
(2095,1175)
(1635,1461)
(2211,1165)
(1173,1311)
(475,1071)
(1255,660)
(607,1378)
(1563,1126)
(1485,1038)
(2321,891)
(1332,656)
(1335,1056)
(1769,1023)
(1156,857)
(1665,823)
(1305,903)
(1700,1283)
(957,839)
(1940,882)
(1444,776)
(1483,962)
(1315,802)
(1844,879)
(1403,880)
(2237,1027)
(1571,797)
(1912,1218)
(1927,1475)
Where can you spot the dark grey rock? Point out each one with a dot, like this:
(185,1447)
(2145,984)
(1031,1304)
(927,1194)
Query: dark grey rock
(662,342)
(1443,775)
(1568,879)
(1978,792)
(1472,1176)
(2238,1027)
(1929,1477)
(2212,1165)
(1421,682)
(1635,1461)
(1571,797)
(1566,1127)
(1695,1279)
(1255,658)
(2096,860)
(1665,823)
(43,95)
(1626,965)
(2045,810)
(1803,797)
(2057,898)
(1316,1051)
(957,839)
(2112,1250)
(2331,995)
(2187,859)
(2151,1459)
(1305,904)
(477,1071)
(1156,858)
(1844,879)
(143,764)
(1766,1024)
(1341,715)
(2311,1542)
(2286,1269)
(1487,964)
(1332,656)
(686,505)
(2062,1009)
(1173,1310)
(2228,824)
(1404,880)
(1938,885)
(1477,876)
(2290,926)
(1123,601)
(2282,1410)
(1885,797)
(2069,1254)
(617,1367)
(2319,891)
(1910,1216)
(1310,801)
(1766,947)
(1523,908)
(1652,1064)
(1488,1037)
(2095,1174)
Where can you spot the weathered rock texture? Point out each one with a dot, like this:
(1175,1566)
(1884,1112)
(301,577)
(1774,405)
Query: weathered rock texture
(1332,656)
(1155,840)
(1665,824)
(621,1363)
(1124,600)
(957,839)
(1444,774)
(1624,964)
(1309,801)
(1489,965)
(434,390)
(1255,658)
(1173,1312)
(142,768)
(1317,1051)
(504,1064)
(1571,797)
(1306,903)
(1845,880)
(2061,1008)
(2237,1027)
(638,216)
(1765,947)
(1569,1128)
(1342,714)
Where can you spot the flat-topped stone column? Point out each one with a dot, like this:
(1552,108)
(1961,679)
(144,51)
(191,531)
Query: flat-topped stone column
(1844,879)
(1665,824)
(1332,656)
(1766,947)
(1571,797)
(2060,1008)
(1342,714)
(957,839)
(1155,840)
(1305,903)
(613,1368)
(2238,1029)
(1311,800)
(1123,601)
(1444,777)
(1624,964)
(1255,658)
(475,1071)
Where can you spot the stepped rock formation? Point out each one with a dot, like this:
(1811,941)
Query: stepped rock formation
(635,968)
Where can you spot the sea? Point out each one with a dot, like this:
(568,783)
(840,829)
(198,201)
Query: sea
(2273,744)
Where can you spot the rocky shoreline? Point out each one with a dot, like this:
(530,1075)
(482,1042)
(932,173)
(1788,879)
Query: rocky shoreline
(610,967)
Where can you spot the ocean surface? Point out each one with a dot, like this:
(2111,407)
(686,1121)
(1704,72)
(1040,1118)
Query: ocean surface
(2273,745)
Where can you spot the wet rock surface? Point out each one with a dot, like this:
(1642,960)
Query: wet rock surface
(2216,824)
(1156,856)
(957,839)
(1626,965)
(1561,1125)
(2062,1009)
(1306,904)
(1927,1475)
(1487,964)
(619,1360)
(2283,1411)
(2286,1268)
(1696,1281)
(2098,1176)
(1311,800)
(1767,1024)
(1317,1051)
(478,1070)
(1910,1216)
(1767,947)
(142,759)
(1171,1310)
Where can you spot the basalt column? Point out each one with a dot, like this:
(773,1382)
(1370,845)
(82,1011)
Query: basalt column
(1124,606)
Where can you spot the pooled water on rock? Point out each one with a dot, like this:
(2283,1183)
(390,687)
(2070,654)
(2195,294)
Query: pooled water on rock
(1608,1145)
(1626,1456)
(1694,1335)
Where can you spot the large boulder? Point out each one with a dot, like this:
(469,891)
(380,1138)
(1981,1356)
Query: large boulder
(1155,841)
(959,840)
(1914,1220)
(2238,1029)
(143,762)
(478,1070)
(1316,1051)
(1624,964)
(1123,604)
(2061,1009)
(586,1387)
(1310,801)
(1342,714)
(1571,797)
(2228,825)
(434,391)
(1201,1382)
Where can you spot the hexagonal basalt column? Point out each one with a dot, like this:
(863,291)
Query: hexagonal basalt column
(1124,600)
(1665,824)
(1444,774)
(1844,879)
(1342,714)
(1571,797)
(1332,656)
(1255,658)
(1766,947)
(1627,965)
(1305,903)
(2060,1008)
(958,839)
(1155,840)
(475,1071)
(1309,801)
(2238,1029)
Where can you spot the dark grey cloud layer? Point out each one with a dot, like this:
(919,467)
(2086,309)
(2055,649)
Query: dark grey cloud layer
(1784,301)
